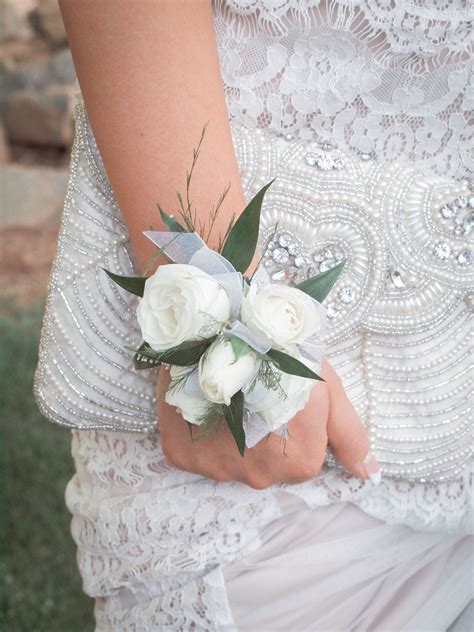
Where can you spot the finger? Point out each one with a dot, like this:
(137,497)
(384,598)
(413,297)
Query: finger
(346,434)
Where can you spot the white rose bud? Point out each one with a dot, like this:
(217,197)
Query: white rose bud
(277,407)
(222,374)
(191,408)
(282,315)
(181,303)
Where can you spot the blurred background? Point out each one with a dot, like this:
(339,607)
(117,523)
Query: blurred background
(39,582)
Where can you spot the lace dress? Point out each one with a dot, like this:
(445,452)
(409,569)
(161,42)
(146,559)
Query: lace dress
(162,549)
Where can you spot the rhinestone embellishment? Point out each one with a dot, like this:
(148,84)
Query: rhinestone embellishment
(458,212)
(442,251)
(324,162)
(464,258)
(411,384)
(346,295)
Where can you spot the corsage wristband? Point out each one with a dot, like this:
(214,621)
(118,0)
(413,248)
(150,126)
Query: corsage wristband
(242,351)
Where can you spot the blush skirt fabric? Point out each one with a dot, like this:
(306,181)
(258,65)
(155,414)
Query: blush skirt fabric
(335,568)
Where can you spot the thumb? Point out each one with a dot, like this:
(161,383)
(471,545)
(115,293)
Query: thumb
(346,434)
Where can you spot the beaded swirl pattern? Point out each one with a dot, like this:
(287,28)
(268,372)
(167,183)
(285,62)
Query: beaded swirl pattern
(399,316)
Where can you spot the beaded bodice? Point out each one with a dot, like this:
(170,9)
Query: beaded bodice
(399,317)
(385,82)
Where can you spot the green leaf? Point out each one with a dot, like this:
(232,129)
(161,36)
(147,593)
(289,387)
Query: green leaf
(318,287)
(134,285)
(239,347)
(240,245)
(185,354)
(142,360)
(170,221)
(234,415)
(288,364)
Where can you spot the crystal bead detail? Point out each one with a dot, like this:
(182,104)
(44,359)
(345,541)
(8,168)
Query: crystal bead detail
(332,310)
(327,264)
(279,275)
(300,261)
(280,255)
(346,295)
(464,258)
(324,162)
(293,250)
(318,256)
(448,210)
(442,251)
(397,279)
(284,240)
(468,224)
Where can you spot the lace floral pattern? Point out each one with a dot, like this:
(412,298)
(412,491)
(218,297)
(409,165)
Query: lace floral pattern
(374,76)
(152,539)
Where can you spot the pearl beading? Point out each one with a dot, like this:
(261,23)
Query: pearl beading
(399,317)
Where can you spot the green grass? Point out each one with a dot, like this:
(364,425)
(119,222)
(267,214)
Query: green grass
(40,587)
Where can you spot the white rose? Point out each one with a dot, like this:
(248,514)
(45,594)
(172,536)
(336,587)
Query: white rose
(222,374)
(180,303)
(191,408)
(276,407)
(282,315)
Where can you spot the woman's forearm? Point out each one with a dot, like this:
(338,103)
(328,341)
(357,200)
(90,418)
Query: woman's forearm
(150,77)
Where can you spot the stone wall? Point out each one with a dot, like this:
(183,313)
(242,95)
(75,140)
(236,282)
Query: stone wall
(36,78)
(36,133)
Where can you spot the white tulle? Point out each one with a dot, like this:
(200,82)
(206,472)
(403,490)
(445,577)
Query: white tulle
(375,76)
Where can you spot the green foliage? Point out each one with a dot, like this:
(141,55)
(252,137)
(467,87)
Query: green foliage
(288,364)
(185,354)
(170,221)
(40,586)
(239,247)
(134,285)
(318,287)
(234,415)
(270,377)
(239,347)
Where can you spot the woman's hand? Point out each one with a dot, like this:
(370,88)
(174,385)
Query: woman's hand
(328,417)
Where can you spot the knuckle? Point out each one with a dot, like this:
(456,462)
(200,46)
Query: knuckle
(258,481)
(308,471)
(220,473)
(221,476)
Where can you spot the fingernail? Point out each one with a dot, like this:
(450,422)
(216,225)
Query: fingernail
(372,469)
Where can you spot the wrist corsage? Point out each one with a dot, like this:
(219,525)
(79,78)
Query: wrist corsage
(241,350)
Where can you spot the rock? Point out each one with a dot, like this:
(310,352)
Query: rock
(49,23)
(37,75)
(30,195)
(14,22)
(4,148)
(41,118)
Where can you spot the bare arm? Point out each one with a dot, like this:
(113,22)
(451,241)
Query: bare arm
(150,76)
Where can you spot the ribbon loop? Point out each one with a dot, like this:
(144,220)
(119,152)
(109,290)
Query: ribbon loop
(239,330)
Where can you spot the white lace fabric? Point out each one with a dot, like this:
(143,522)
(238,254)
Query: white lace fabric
(376,77)
(393,78)
(152,539)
